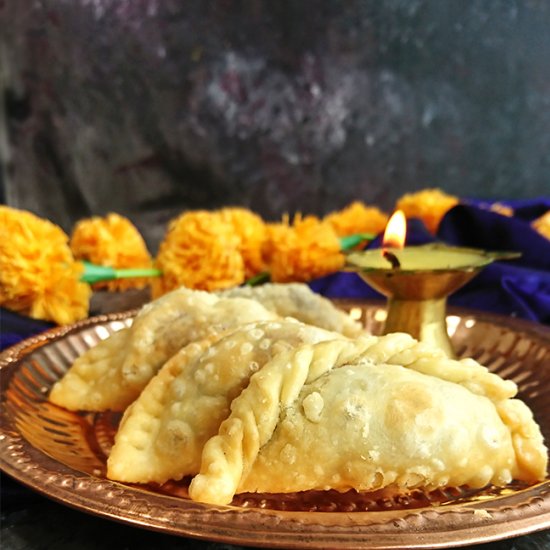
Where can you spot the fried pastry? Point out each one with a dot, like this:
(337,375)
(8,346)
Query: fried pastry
(397,413)
(299,301)
(112,374)
(163,432)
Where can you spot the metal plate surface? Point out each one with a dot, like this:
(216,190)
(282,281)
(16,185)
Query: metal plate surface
(62,455)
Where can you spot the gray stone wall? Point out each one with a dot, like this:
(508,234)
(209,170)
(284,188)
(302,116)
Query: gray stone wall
(149,107)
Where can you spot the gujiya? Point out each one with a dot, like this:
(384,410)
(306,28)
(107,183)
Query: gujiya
(111,375)
(266,404)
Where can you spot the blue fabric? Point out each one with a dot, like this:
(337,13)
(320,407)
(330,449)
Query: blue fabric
(14,328)
(512,287)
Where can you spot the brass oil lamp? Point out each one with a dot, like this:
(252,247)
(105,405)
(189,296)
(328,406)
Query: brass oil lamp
(417,280)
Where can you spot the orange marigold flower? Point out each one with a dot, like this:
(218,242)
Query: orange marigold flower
(357,218)
(38,274)
(430,205)
(112,241)
(542,225)
(252,232)
(303,251)
(201,251)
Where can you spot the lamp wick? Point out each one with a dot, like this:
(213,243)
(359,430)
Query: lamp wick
(392,258)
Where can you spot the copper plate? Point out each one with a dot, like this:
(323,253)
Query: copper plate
(62,455)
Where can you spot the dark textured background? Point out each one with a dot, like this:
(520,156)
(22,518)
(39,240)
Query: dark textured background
(148,107)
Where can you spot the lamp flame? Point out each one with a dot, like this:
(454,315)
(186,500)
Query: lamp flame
(396,231)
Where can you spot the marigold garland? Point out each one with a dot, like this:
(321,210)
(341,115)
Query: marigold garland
(305,250)
(200,251)
(207,250)
(38,274)
(357,218)
(430,205)
(111,241)
(252,232)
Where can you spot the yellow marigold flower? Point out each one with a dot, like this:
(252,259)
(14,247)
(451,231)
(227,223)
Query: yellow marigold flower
(430,205)
(303,251)
(200,251)
(252,232)
(112,241)
(38,274)
(357,218)
(542,225)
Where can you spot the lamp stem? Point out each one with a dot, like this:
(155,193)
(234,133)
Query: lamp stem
(424,320)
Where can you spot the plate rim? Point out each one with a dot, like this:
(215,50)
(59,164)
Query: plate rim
(523,512)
